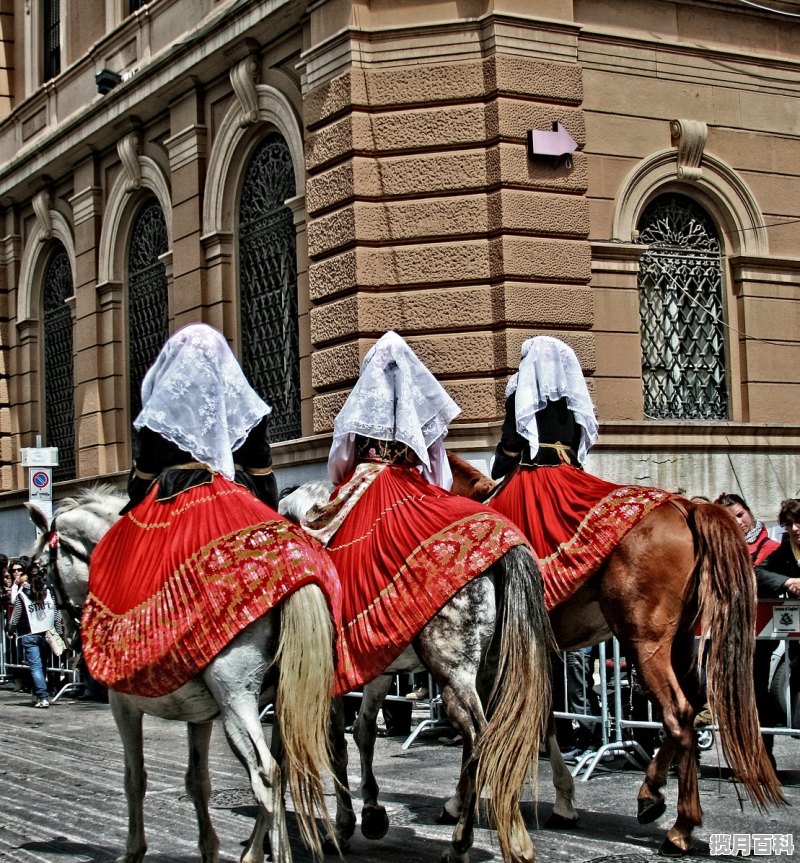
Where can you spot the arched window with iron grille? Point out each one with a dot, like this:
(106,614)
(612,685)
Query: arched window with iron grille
(148,304)
(268,284)
(59,392)
(681,312)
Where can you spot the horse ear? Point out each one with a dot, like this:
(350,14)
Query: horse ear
(37,517)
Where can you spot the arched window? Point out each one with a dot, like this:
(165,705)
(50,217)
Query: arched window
(268,284)
(59,409)
(681,312)
(148,306)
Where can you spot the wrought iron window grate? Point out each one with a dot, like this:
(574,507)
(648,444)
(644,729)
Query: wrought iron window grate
(59,395)
(681,313)
(268,285)
(148,303)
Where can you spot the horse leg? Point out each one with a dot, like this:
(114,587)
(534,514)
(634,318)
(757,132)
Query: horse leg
(243,729)
(374,821)
(564,815)
(345,824)
(129,724)
(655,664)
(464,709)
(234,679)
(198,787)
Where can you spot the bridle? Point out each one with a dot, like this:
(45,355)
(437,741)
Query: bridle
(63,601)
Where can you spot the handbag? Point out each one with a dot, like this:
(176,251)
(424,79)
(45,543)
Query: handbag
(55,641)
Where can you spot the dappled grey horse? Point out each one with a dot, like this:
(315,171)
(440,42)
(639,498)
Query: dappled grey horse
(487,650)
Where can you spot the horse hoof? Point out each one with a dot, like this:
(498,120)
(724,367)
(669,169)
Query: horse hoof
(650,810)
(446,818)
(670,849)
(559,822)
(374,822)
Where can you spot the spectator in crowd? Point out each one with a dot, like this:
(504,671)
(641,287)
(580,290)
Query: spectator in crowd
(19,574)
(5,597)
(34,614)
(778,575)
(756,535)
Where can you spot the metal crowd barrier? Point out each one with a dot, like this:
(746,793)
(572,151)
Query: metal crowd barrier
(62,672)
(776,620)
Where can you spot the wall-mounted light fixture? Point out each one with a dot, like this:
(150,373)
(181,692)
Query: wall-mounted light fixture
(106,80)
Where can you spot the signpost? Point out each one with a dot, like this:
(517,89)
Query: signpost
(40,462)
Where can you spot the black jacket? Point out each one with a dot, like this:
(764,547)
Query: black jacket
(555,424)
(154,455)
(771,575)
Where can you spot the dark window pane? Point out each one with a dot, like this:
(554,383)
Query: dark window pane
(268,267)
(51,38)
(681,312)
(148,305)
(59,407)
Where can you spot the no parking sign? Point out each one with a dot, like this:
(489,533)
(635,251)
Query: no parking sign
(40,462)
(40,489)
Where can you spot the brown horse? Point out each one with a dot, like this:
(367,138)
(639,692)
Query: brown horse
(683,563)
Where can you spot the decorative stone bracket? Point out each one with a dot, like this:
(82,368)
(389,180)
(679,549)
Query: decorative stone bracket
(41,207)
(689,137)
(128,150)
(244,77)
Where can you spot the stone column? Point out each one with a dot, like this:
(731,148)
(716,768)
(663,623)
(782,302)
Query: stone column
(189,299)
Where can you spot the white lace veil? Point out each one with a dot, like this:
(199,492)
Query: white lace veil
(395,398)
(196,395)
(549,371)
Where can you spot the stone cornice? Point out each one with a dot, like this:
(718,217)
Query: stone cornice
(621,435)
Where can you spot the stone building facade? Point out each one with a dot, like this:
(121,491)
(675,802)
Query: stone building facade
(306,175)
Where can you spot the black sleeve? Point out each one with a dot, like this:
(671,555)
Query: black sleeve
(509,450)
(255,458)
(151,454)
(255,451)
(769,578)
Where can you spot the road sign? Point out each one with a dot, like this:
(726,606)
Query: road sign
(40,489)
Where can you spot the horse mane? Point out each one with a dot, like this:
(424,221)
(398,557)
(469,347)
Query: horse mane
(296,501)
(97,493)
(468,481)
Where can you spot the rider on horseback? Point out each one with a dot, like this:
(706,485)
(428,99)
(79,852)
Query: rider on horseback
(200,552)
(391,526)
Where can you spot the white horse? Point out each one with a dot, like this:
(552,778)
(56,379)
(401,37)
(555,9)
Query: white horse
(487,646)
(296,636)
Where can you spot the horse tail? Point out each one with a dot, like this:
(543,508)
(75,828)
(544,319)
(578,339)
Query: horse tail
(727,609)
(305,682)
(520,700)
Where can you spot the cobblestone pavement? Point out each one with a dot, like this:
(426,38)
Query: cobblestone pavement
(63,802)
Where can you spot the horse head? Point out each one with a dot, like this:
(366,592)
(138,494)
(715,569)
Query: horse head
(468,481)
(66,545)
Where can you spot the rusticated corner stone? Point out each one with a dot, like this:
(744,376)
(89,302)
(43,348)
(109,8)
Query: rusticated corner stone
(537,305)
(329,99)
(335,366)
(542,259)
(509,165)
(334,321)
(326,406)
(539,79)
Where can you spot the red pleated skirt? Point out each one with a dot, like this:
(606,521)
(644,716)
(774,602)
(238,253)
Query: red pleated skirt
(572,519)
(173,582)
(402,553)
